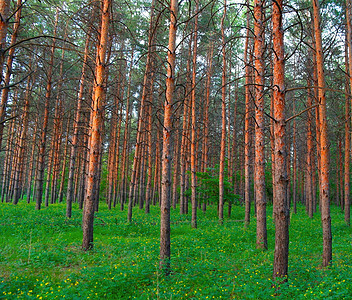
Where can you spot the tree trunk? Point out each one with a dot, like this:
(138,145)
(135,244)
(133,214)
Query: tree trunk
(247,184)
(281,209)
(223,121)
(166,156)
(97,119)
(348,113)
(324,143)
(193,123)
(259,177)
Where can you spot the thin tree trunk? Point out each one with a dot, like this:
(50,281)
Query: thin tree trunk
(309,196)
(193,123)
(348,113)
(294,179)
(247,184)
(223,121)
(63,170)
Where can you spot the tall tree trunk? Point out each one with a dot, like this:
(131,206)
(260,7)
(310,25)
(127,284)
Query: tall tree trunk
(97,119)
(348,113)
(247,184)
(281,209)
(166,156)
(193,123)
(259,177)
(223,120)
(324,143)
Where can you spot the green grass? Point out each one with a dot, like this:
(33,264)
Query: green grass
(40,257)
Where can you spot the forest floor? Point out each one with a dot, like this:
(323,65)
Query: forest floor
(41,257)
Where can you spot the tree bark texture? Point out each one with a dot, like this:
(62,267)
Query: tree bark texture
(96,124)
(281,209)
(166,154)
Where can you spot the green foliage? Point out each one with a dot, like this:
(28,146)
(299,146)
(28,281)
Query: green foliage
(41,257)
(209,186)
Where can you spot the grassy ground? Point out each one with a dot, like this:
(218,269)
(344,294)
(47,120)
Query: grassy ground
(40,257)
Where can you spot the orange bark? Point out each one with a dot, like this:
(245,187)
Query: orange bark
(324,143)
(96,124)
(166,155)
(281,209)
(259,175)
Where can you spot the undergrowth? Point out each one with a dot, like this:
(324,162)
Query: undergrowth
(41,257)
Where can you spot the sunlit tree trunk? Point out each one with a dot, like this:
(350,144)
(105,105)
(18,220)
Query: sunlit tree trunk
(259,177)
(281,209)
(166,155)
(95,129)
(324,143)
